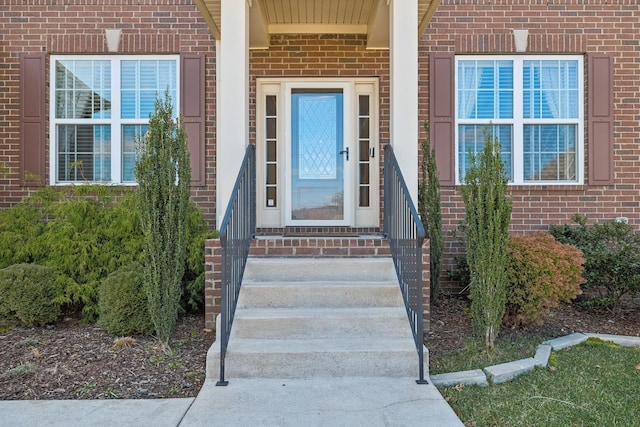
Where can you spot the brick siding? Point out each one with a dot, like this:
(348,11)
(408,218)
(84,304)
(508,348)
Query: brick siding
(557,27)
(77,27)
(460,26)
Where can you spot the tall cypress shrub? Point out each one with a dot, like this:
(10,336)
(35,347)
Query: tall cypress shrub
(430,213)
(488,213)
(163,174)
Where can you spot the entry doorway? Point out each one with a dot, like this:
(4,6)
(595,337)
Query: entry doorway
(317,152)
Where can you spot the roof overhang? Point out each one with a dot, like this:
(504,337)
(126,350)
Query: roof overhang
(267,17)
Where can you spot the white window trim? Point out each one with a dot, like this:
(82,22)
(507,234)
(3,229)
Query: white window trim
(518,121)
(116,121)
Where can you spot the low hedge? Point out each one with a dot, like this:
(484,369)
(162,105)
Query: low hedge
(123,302)
(27,295)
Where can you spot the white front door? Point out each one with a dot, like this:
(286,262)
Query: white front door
(316,147)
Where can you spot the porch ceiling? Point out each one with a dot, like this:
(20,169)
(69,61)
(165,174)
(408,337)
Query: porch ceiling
(370,17)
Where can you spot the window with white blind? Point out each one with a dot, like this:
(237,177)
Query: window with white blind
(533,105)
(99,104)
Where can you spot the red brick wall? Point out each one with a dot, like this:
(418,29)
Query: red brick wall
(559,27)
(77,26)
(213,281)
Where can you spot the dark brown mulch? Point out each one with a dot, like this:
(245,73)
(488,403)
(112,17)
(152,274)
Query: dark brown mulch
(71,360)
(451,323)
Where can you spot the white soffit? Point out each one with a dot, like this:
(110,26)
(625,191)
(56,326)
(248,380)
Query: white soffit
(370,17)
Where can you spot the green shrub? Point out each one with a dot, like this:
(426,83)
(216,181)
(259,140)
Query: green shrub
(193,279)
(85,233)
(542,272)
(430,212)
(19,228)
(460,273)
(27,294)
(612,254)
(163,174)
(488,213)
(73,231)
(123,303)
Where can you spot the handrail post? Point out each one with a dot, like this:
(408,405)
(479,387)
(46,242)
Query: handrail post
(223,311)
(420,308)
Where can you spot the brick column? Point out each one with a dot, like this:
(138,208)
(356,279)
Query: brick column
(212,281)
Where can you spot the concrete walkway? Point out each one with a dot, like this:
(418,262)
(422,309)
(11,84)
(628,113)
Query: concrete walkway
(72,413)
(367,402)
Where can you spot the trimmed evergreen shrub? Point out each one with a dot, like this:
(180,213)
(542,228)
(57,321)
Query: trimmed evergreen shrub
(73,231)
(542,272)
(163,174)
(488,213)
(27,294)
(430,213)
(123,303)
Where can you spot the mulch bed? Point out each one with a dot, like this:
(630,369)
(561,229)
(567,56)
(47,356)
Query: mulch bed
(451,323)
(71,360)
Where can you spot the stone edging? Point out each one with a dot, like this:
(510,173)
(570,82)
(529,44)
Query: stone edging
(504,372)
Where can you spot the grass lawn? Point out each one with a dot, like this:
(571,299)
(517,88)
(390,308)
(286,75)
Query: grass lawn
(594,384)
(475,356)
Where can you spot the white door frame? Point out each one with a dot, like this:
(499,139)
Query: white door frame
(277,213)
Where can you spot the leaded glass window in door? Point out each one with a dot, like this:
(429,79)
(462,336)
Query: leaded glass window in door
(317,155)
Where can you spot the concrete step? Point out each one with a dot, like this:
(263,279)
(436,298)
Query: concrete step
(283,294)
(320,269)
(320,358)
(297,323)
(319,317)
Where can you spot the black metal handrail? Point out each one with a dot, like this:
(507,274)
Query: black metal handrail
(237,230)
(405,232)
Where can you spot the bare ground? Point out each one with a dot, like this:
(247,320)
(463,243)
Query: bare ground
(71,360)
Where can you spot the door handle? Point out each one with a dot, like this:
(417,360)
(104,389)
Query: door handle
(345,151)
